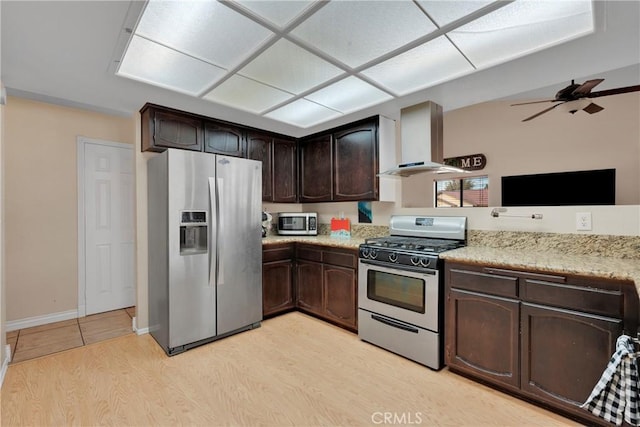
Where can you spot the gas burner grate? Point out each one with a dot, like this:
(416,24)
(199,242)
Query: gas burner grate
(413,244)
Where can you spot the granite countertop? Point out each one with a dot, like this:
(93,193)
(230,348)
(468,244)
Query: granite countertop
(549,261)
(541,259)
(350,243)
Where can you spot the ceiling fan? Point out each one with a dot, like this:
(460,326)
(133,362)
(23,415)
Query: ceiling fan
(575,92)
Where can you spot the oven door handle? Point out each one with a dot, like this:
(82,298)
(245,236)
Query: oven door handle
(397,267)
(395,324)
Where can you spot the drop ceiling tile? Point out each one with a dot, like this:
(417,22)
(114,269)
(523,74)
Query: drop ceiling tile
(426,65)
(303,113)
(157,65)
(246,94)
(289,67)
(445,12)
(348,95)
(204,29)
(522,28)
(356,32)
(278,12)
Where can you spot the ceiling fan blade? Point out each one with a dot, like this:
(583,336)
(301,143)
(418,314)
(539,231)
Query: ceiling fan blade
(586,87)
(542,112)
(615,91)
(593,108)
(534,102)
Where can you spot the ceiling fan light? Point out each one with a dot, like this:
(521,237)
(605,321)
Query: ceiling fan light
(574,106)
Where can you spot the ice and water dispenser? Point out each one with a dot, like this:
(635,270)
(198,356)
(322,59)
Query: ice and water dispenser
(193,232)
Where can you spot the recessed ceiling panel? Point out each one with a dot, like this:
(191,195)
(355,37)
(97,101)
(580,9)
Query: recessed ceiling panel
(426,65)
(155,64)
(356,32)
(445,12)
(348,95)
(278,12)
(289,67)
(521,28)
(246,94)
(205,29)
(303,113)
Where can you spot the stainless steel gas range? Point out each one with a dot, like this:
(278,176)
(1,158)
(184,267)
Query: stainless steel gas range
(400,286)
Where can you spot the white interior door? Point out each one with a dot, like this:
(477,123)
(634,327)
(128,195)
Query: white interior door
(109,227)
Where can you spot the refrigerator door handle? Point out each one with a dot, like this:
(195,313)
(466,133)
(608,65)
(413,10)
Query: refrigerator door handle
(213,201)
(220,220)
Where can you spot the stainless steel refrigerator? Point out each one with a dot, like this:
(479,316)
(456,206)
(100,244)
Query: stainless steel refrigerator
(205,247)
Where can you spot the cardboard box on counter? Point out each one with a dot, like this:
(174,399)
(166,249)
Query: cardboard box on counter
(340,228)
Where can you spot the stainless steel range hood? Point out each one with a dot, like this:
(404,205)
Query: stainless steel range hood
(421,141)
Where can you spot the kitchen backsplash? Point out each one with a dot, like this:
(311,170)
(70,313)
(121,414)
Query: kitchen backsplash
(358,230)
(578,244)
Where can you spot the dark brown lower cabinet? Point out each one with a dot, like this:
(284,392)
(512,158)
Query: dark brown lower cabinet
(318,280)
(326,283)
(487,336)
(309,285)
(564,353)
(541,336)
(277,279)
(339,295)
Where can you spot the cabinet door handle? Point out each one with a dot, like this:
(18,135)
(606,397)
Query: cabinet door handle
(395,324)
(525,274)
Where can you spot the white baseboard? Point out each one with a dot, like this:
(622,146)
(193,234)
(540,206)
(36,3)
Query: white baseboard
(5,363)
(14,325)
(140,331)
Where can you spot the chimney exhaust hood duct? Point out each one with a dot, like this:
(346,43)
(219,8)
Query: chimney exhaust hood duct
(421,141)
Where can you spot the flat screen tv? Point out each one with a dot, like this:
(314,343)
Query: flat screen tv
(592,187)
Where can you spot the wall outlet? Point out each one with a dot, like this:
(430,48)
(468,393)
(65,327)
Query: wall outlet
(583,221)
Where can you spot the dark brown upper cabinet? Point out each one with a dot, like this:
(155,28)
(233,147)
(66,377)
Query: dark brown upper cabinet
(224,139)
(260,147)
(340,164)
(279,166)
(316,172)
(355,162)
(166,129)
(285,171)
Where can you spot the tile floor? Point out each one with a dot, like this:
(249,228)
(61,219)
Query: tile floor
(41,340)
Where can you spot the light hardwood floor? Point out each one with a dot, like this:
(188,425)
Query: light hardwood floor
(295,370)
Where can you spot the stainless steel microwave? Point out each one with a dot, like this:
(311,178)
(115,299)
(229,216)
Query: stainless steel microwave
(298,223)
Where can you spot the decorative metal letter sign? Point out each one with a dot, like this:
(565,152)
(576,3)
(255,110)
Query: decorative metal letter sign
(471,162)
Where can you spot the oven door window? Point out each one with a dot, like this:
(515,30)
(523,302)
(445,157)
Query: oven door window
(397,290)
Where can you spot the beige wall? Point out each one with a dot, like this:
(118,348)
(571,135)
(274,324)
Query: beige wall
(41,202)
(3,299)
(142,276)
(554,142)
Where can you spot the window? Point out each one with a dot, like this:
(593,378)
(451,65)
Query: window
(462,192)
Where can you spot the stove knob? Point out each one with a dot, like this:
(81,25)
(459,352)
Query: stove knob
(424,262)
(373,254)
(365,252)
(393,257)
(415,260)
